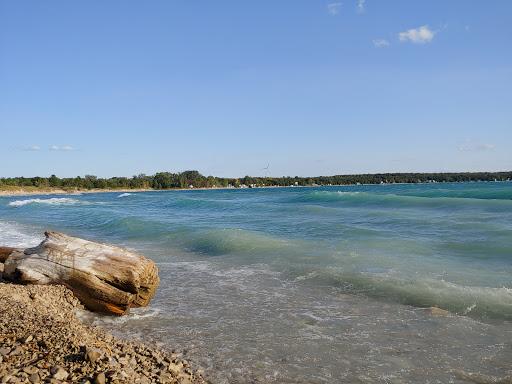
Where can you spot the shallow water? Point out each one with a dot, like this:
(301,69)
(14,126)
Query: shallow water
(310,285)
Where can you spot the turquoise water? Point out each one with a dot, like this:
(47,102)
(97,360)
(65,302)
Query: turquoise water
(310,284)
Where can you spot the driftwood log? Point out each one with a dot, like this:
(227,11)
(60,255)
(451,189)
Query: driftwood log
(103,277)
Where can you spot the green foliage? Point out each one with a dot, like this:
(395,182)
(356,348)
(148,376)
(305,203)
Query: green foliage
(188,179)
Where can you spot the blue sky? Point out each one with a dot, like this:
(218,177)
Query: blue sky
(227,87)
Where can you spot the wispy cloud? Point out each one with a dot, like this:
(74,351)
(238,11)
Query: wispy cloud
(61,148)
(361,6)
(474,146)
(420,35)
(32,148)
(333,8)
(380,43)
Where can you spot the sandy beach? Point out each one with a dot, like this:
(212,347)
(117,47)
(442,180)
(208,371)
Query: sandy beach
(43,340)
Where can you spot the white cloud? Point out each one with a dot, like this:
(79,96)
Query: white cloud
(472,146)
(61,148)
(360,6)
(333,8)
(380,43)
(420,35)
(32,148)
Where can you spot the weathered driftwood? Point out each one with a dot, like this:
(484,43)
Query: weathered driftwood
(104,278)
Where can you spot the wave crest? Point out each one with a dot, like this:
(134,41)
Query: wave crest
(360,198)
(51,201)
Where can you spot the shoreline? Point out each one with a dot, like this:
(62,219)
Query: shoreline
(58,191)
(43,340)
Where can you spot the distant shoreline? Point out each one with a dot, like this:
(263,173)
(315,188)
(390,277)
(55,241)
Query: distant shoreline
(58,191)
(193,180)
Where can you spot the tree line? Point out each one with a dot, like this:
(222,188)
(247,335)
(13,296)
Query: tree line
(193,179)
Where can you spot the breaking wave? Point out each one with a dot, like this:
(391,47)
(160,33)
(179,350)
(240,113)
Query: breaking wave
(15,235)
(473,301)
(50,201)
(360,198)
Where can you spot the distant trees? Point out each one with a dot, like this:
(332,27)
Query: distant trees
(187,179)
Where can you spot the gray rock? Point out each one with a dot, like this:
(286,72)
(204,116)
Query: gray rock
(16,351)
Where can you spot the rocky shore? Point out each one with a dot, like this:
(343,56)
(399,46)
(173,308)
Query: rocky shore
(42,341)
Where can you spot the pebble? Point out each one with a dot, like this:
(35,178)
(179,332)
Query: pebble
(30,369)
(16,351)
(59,373)
(92,355)
(100,378)
(28,339)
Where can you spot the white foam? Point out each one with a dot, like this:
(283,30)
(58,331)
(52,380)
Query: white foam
(469,309)
(51,201)
(13,235)
(125,194)
(135,314)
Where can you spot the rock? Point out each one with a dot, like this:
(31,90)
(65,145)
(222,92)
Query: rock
(16,351)
(59,373)
(27,339)
(92,354)
(435,311)
(175,368)
(34,378)
(30,370)
(4,351)
(165,377)
(100,378)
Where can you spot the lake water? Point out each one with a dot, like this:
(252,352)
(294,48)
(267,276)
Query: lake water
(310,285)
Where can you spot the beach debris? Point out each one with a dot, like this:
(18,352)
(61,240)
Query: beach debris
(105,278)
